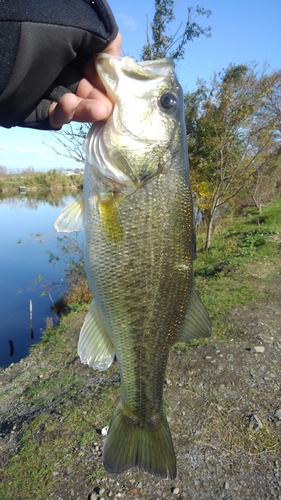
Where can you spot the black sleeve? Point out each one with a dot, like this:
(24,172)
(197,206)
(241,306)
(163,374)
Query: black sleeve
(44,45)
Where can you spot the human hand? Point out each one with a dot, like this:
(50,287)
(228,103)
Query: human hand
(89,103)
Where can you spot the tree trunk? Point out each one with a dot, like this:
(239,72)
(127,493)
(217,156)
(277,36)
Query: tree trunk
(257,202)
(209,229)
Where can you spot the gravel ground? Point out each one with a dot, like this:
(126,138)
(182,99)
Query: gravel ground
(222,403)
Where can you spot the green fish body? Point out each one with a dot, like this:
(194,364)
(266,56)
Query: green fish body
(139,249)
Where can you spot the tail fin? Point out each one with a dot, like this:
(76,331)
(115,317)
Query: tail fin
(147,445)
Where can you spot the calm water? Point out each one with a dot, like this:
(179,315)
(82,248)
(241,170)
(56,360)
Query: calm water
(27,235)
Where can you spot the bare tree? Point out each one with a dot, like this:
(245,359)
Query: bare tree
(71,138)
(159,44)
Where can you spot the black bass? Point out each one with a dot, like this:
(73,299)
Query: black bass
(139,249)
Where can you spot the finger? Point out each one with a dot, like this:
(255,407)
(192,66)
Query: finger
(71,107)
(63,111)
(114,47)
(85,90)
(89,90)
(90,110)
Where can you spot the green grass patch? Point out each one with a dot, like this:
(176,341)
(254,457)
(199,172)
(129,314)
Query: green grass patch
(62,430)
(243,254)
(31,179)
(64,418)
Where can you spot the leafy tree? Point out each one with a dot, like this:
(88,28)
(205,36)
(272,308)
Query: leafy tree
(261,188)
(232,134)
(27,172)
(273,104)
(159,44)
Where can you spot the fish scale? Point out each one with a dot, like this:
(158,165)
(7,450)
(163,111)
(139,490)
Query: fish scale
(139,248)
(154,293)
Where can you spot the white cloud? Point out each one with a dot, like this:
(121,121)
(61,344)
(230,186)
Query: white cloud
(26,151)
(127,21)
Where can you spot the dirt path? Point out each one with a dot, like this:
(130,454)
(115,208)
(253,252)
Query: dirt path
(221,402)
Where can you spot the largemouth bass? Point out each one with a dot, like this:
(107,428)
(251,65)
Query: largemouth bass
(139,249)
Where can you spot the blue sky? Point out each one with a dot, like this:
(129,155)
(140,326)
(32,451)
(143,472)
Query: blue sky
(242,31)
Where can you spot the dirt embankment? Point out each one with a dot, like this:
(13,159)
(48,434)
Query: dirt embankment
(222,402)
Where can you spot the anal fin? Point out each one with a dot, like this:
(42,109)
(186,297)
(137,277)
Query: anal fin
(95,347)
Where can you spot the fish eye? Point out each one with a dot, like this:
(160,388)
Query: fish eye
(168,101)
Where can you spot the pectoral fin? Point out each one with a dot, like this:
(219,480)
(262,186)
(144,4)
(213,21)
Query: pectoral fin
(95,347)
(71,218)
(110,218)
(197,323)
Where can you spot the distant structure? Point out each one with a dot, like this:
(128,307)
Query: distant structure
(77,171)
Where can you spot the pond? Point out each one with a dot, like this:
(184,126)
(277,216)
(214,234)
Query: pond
(28,238)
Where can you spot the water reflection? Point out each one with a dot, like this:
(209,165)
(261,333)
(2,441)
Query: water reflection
(28,238)
(32,199)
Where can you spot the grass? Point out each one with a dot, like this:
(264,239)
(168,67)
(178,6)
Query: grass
(243,253)
(236,435)
(44,180)
(63,423)
(227,422)
(65,416)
